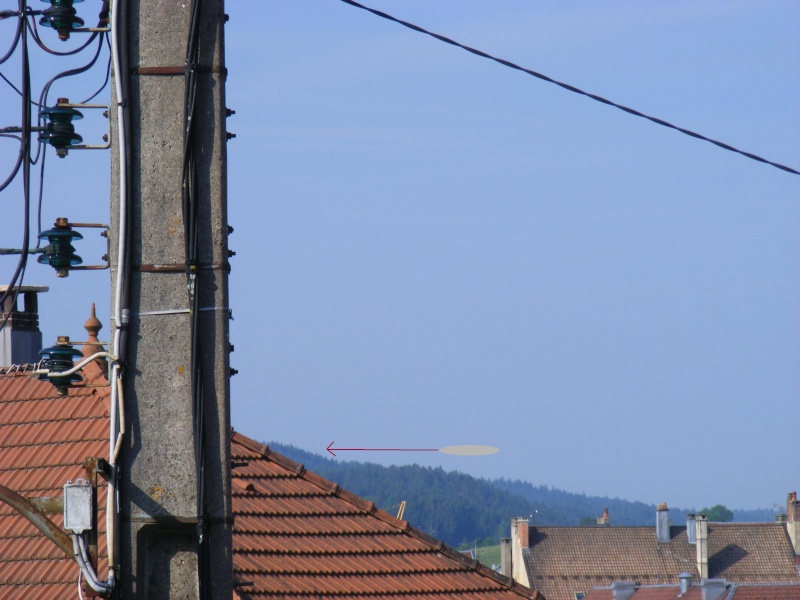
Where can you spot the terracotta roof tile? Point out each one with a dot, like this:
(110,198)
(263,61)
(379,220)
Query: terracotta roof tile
(44,439)
(299,535)
(563,560)
(775,591)
(296,535)
(736,591)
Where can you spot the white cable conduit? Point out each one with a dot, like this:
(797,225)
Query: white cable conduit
(81,556)
(77,367)
(116,402)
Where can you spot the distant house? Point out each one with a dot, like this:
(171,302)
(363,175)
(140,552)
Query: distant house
(566,563)
(296,535)
(710,589)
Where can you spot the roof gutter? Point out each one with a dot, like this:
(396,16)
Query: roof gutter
(38,519)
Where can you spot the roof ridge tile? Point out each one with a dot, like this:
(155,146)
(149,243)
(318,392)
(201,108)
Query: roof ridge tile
(366,505)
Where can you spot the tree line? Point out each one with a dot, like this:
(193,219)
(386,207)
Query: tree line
(462,510)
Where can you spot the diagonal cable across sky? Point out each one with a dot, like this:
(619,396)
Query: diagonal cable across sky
(572,88)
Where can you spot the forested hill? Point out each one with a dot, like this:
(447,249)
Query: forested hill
(461,509)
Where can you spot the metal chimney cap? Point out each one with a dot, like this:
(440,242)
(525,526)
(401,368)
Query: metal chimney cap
(26,288)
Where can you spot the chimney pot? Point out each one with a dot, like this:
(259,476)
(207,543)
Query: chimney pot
(691,529)
(686,582)
(622,590)
(713,589)
(605,519)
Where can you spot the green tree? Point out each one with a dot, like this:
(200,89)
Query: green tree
(718,513)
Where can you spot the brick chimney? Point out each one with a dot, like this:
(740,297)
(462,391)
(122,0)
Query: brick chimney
(20,339)
(605,520)
(701,522)
(793,521)
(520,542)
(662,524)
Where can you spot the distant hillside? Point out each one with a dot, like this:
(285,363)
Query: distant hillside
(456,508)
(566,508)
(461,509)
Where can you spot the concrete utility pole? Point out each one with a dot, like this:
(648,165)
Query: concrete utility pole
(161,469)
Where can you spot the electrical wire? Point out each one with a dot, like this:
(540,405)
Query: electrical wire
(15,41)
(8,81)
(69,73)
(17,165)
(39,202)
(19,273)
(572,88)
(46,89)
(116,408)
(35,35)
(190,216)
(103,86)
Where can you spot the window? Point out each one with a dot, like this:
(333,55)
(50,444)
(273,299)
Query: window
(579,595)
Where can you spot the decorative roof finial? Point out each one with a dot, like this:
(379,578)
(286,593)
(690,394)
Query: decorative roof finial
(93,345)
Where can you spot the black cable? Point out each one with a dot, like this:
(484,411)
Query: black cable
(17,166)
(19,273)
(69,73)
(41,192)
(15,41)
(35,34)
(103,86)
(8,81)
(190,216)
(46,89)
(571,88)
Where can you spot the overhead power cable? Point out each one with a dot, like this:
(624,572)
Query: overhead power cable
(571,88)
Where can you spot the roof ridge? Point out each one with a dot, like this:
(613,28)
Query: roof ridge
(369,507)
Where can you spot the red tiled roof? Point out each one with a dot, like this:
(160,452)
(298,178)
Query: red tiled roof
(766,591)
(656,592)
(44,439)
(736,591)
(563,560)
(298,535)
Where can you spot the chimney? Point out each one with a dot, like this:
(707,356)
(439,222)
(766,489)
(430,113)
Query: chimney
(702,546)
(520,541)
(686,581)
(662,524)
(622,590)
(691,530)
(713,589)
(793,521)
(20,339)
(605,519)
(505,557)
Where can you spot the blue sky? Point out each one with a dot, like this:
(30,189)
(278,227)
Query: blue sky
(434,250)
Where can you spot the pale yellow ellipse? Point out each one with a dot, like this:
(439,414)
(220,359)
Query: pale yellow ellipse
(469,450)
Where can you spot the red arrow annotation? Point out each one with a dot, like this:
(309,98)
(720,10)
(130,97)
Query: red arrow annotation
(330,449)
(464,450)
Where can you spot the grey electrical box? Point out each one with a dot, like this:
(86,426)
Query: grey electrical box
(78,506)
